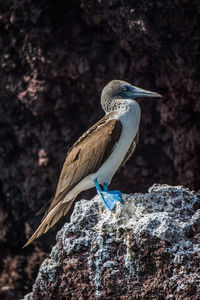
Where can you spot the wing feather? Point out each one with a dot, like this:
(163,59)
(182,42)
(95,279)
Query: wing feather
(53,216)
(87,154)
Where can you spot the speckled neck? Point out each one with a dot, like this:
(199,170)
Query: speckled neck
(116,105)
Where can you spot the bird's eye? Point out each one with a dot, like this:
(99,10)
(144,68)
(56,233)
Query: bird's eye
(124,89)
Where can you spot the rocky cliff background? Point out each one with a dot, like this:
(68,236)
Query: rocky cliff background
(55,57)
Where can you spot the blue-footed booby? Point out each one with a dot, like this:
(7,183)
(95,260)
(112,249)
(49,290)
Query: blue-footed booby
(99,152)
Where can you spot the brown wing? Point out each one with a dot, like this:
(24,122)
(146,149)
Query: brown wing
(88,153)
(131,149)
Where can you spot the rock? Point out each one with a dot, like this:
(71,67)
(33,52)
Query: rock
(147,248)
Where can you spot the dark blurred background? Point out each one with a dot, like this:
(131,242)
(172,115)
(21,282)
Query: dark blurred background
(55,58)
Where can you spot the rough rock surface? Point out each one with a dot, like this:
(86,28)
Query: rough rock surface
(55,57)
(148,248)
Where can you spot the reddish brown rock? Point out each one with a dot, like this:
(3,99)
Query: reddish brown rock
(55,58)
(147,248)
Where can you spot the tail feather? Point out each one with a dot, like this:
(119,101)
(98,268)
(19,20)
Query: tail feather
(51,219)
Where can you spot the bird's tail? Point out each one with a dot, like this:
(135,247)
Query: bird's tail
(61,209)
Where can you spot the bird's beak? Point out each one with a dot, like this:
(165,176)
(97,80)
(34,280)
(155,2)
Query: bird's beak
(138,92)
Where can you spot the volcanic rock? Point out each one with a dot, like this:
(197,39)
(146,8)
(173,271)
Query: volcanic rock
(147,248)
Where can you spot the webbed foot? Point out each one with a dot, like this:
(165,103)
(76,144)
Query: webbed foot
(109,198)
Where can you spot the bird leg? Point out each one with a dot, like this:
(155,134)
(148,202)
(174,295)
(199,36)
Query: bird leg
(109,198)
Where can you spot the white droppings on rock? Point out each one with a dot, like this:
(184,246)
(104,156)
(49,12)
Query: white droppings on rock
(109,264)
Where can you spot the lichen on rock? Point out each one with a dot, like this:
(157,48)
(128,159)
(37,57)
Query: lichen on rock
(146,248)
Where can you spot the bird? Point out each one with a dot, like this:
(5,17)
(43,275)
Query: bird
(97,155)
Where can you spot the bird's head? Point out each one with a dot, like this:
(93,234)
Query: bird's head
(119,89)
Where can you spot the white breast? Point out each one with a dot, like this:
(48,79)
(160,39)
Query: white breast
(130,119)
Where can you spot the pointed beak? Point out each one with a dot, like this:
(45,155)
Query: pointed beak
(144,93)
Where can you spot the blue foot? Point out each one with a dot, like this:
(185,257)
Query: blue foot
(109,198)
